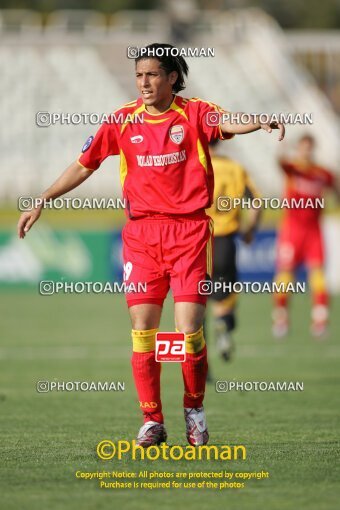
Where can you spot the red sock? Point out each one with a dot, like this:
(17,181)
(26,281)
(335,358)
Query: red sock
(194,371)
(281,300)
(146,373)
(321,298)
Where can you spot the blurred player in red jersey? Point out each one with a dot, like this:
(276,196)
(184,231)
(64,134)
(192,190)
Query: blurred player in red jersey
(300,238)
(167,181)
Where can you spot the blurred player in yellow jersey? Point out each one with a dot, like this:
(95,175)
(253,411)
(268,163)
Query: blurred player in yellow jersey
(233,182)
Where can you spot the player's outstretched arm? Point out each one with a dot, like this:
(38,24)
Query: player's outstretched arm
(241,123)
(72,177)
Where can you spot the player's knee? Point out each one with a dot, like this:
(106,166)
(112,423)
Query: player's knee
(190,327)
(145,316)
(141,324)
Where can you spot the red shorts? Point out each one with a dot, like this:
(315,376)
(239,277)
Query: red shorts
(299,243)
(166,252)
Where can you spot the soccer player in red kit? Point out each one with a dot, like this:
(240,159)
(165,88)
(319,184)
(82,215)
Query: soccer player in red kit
(300,237)
(167,181)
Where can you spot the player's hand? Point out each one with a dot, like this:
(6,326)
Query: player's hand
(269,126)
(26,220)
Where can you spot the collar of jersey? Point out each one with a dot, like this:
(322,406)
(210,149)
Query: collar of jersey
(303,164)
(171,107)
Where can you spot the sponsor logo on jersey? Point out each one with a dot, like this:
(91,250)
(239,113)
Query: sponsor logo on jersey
(176,133)
(161,159)
(87,144)
(137,139)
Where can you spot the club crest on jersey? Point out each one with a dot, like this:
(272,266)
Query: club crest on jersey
(87,144)
(176,133)
(137,139)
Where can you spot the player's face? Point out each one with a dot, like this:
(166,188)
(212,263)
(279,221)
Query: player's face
(305,149)
(153,84)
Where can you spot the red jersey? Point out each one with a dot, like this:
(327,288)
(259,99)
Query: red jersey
(165,165)
(305,183)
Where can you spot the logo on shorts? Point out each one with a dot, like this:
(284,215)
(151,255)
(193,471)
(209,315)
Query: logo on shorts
(137,139)
(87,144)
(170,347)
(176,133)
(127,268)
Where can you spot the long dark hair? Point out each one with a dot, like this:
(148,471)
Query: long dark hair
(169,62)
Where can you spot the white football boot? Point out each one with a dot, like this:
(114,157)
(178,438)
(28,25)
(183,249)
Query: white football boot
(280,325)
(151,433)
(197,431)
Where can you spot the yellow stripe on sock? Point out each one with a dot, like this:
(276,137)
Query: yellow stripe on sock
(194,342)
(284,277)
(317,280)
(143,341)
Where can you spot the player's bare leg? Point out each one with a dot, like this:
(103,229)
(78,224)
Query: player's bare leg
(145,320)
(320,313)
(189,320)
(224,324)
(145,316)
(189,317)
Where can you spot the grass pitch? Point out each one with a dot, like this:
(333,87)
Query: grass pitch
(47,437)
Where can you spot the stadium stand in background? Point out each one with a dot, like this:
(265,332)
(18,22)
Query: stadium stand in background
(76,61)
